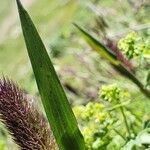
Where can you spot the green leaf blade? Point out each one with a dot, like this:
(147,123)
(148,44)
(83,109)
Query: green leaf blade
(59,113)
(98,47)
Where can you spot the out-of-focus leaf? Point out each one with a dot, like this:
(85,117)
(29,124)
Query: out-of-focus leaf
(141,142)
(99,47)
(57,107)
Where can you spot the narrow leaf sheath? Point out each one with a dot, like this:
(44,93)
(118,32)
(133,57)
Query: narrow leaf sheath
(59,113)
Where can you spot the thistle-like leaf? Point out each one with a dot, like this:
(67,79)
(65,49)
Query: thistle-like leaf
(27,126)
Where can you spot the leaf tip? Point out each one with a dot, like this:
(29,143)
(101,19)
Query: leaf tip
(19,4)
(76,25)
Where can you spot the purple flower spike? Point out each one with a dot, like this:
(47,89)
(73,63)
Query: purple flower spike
(27,126)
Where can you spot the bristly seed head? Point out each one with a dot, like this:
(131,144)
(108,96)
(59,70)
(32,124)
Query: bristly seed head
(27,126)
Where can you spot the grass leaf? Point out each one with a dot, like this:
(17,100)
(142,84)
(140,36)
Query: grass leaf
(56,105)
(99,47)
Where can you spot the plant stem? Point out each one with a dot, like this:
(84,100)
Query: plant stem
(120,134)
(125,121)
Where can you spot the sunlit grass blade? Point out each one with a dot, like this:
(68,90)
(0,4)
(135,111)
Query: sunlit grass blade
(109,55)
(59,113)
(99,47)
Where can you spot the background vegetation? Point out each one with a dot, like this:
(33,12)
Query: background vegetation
(81,71)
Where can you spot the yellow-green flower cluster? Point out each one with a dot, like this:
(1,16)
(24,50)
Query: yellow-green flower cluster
(94,122)
(90,112)
(132,45)
(112,93)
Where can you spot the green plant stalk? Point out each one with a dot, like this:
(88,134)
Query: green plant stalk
(125,121)
(115,129)
(120,106)
(120,134)
(58,110)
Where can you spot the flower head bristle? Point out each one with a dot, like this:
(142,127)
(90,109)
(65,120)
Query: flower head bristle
(27,126)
